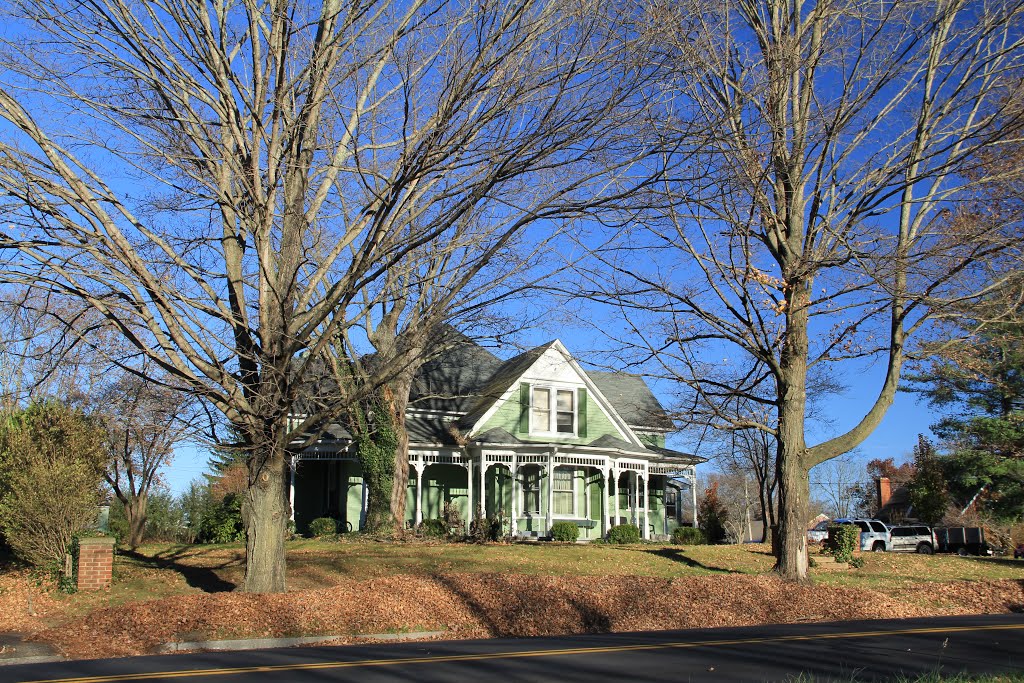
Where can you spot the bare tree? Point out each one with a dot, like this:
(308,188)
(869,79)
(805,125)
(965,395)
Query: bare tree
(840,480)
(143,422)
(809,225)
(221,181)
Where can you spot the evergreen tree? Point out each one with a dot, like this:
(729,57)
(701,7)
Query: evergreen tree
(928,493)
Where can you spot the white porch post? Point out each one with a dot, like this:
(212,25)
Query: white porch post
(419,493)
(634,507)
(469,492)
(291,487)
(613,477)
(643,486)
(693,491)
(664,507)
(362,503)
(513,528)
(551,489)
(483,485)
(606,484)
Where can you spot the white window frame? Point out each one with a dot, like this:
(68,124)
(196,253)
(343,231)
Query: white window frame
(553,411)
(572,490)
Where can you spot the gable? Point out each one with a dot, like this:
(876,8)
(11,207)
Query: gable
(548,370)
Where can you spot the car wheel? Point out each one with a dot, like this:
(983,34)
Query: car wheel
(878,547)
(924,549)
(962,551)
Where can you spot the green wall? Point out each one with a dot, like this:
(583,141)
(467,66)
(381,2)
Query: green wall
(508,414)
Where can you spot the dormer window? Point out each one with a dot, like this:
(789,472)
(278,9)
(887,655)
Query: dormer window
(553,411)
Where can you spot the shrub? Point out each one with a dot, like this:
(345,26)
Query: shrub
(712,515)
(433,528)
(688,535)
(566,532)
(483,529)
(842,540)
(223,524)
(624,533)
(856,562)
(51,466)
(453,519)
(323,526)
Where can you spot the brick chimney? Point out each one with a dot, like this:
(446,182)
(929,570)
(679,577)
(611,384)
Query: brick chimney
(884,491)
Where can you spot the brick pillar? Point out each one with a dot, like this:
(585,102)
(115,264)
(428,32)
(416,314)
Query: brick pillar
(95,563)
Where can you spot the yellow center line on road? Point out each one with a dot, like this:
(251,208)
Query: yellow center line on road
(518,654)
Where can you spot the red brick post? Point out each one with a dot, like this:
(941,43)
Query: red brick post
(95,563)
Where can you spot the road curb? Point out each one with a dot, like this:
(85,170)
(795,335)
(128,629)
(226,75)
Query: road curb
(268,643)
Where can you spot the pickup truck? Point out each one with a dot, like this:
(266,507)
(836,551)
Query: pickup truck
(962,540)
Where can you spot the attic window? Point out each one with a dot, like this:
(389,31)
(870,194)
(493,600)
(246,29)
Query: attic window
(553,411)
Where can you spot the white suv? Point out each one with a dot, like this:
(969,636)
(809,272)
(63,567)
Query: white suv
(874,535)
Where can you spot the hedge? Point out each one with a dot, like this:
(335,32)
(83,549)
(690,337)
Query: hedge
(567,532)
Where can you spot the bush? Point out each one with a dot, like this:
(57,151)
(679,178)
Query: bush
(566,532)
(623,534)
(842,540)
(688,535)
(433,528)
(856,562)
(51,466)
(712,515)
(483,529)
(223,524)
(323,526)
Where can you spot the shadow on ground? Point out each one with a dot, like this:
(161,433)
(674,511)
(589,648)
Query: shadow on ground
(203,578)
(678,555)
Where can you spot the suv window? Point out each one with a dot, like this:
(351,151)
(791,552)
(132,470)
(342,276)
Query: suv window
(877,526)
(902,531)
(922,531)
(863,526)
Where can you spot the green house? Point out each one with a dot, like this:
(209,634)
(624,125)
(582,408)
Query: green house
(534,439)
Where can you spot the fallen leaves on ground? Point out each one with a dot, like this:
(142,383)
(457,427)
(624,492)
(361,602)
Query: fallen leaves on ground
(489,605)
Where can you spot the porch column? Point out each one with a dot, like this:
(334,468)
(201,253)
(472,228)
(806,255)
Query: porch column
(664,505)
(605,474)
(551,488)
(469,493)
(419,494)
(693,491)
(483,485)
(634,508)
(291,487)
(362,504)
(513,528)
(613,477)
(642,488)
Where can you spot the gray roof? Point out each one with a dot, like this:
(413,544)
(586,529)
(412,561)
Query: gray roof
(453,381)
(502,379)
(632,399)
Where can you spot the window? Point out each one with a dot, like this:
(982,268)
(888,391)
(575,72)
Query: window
(878,526)
(531,490)
(564,492)
(553,410)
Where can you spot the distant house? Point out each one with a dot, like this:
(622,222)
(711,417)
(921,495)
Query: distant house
(536,439)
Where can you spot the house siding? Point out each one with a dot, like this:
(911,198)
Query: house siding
(509,413)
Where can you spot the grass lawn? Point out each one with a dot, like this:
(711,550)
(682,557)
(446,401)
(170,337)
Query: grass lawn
(166,570)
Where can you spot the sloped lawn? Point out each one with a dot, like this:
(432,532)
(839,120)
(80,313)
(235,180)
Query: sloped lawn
(357,586)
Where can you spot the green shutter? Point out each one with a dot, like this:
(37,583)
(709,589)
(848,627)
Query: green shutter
(524,408)
(581,412)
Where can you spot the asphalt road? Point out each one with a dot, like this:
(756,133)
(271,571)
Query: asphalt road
(862,650)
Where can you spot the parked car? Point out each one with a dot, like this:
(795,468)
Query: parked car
(913,539)
(818,533)
(874,535)
(1018,551)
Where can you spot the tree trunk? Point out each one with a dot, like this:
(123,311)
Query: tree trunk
(793,480)
(400,483)
(135,511)
(265,513)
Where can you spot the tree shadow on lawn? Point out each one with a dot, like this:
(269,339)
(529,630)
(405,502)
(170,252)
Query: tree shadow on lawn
(204,578)
(518,609)
(677,555)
